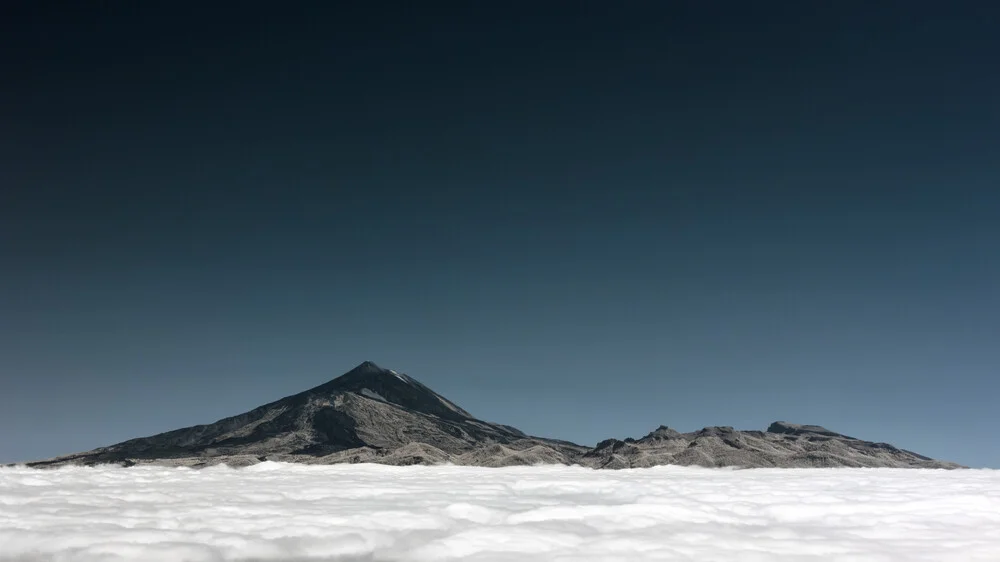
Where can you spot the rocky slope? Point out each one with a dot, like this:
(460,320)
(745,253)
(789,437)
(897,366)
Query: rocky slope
(783,445)
(372,414)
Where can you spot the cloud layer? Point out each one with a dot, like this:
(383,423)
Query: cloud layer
(284,512)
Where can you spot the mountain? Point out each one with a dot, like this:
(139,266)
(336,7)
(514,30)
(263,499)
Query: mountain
(371,414)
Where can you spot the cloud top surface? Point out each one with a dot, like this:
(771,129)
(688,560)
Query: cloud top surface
(291,512)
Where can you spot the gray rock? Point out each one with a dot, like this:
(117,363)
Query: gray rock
(376,415)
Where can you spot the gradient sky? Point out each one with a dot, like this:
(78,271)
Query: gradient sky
(580,219)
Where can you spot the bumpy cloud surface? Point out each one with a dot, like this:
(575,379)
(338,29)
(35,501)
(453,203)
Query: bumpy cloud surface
(554,514)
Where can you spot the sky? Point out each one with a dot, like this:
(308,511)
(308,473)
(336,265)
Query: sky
(581,219)
(274,511)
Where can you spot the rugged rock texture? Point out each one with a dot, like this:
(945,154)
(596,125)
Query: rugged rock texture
(783,445)
(378,415)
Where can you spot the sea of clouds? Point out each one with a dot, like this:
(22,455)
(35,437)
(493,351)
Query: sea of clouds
(554,514)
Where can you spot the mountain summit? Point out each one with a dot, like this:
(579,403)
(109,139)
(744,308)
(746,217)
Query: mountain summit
(371,414)
(389,386)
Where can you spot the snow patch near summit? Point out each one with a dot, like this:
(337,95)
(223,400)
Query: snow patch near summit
(403,378)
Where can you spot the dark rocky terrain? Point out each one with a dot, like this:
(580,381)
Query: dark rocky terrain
(377,415)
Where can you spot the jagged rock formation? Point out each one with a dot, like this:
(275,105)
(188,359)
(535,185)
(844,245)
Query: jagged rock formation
(783,445)
(372,414)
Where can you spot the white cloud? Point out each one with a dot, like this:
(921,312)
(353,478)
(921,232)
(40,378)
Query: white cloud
(553,514)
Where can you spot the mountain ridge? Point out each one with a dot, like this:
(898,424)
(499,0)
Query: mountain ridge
(372,414)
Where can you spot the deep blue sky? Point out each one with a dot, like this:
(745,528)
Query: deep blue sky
(582,219)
